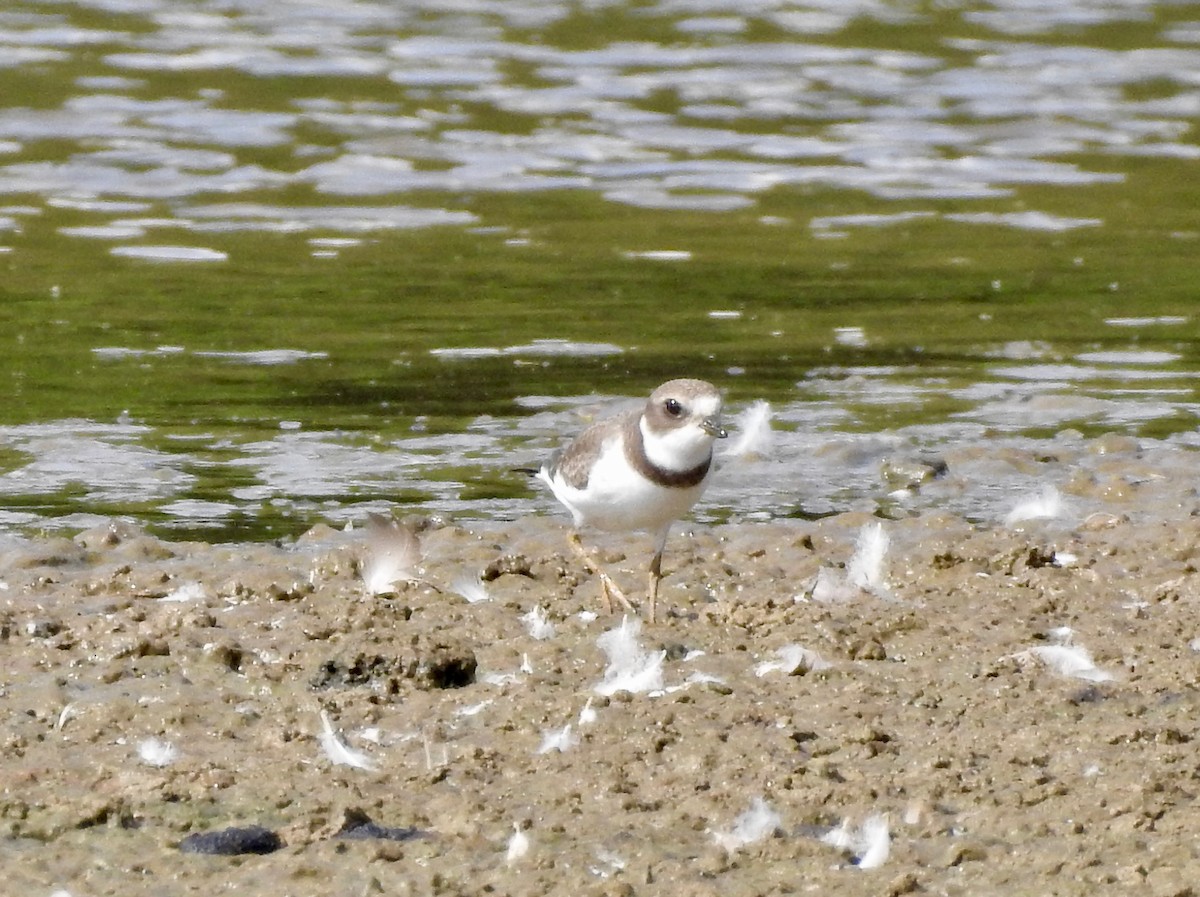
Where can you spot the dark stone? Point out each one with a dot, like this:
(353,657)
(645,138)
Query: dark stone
(232,841)
(1040,557)
(359,827)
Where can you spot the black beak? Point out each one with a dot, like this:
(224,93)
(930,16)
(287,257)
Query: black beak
(712,428)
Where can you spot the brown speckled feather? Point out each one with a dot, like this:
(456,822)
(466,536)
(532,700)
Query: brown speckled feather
(573,462)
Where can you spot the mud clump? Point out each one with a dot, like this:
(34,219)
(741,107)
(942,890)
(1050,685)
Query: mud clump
(432,666)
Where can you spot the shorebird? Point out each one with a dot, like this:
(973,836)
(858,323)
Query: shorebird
(638,471)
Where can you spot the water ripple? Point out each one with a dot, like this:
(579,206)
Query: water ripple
(972,123)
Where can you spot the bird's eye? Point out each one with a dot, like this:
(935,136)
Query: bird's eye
(673,407)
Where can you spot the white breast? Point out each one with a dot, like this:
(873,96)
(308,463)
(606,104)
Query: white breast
(617,497)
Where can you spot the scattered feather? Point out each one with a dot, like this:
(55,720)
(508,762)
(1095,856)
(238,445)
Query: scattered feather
(68,713)
(538,625)
(526,666)
(629,667)
(756,823)
(877,840)
(188,591)
(156,752)
(587,715)
(338,752)
(830,587)
(392,555)
(1046,505)
(518,845)
(865,569)
(473,709)
(864,572)
(1066,660)
(472,588)
(587,616)
(608,863)
(753,427)
(560,740)
(792,660)
(869,845)
(697,678)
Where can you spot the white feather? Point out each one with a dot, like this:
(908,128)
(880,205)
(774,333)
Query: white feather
(472,588)
(473,709)
(338,752)
(587,715)
(629,667)
(538,625)
(68,713)
(392,555)
(188,591)
(1046,505)
(518,845)
(830,587)
(877,842)
(866,566)
(870,844)
(1062,635)
(156,752)
(756,823)
(560,740)
(790,659)
(753,426)
(1066,660)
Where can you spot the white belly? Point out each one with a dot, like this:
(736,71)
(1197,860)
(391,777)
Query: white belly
(618,498)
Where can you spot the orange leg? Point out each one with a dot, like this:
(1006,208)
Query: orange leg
(590,563)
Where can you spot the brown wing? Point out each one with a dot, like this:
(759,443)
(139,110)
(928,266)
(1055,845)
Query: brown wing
(573,462)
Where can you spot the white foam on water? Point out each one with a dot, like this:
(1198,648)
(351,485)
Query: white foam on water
(170,253)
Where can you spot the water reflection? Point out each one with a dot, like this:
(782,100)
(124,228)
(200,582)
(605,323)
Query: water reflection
(972,120)
(169,128)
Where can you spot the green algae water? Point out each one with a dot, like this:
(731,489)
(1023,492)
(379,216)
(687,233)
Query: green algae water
(273,267)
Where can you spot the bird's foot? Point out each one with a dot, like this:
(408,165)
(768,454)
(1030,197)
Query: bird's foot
(611,591)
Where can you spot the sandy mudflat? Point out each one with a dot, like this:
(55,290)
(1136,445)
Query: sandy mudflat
(926,700)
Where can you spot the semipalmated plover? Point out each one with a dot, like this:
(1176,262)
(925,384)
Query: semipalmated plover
(641,470)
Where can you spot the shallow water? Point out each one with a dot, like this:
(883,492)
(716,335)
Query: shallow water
(277,264)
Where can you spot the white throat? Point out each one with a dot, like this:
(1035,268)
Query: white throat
(677,449)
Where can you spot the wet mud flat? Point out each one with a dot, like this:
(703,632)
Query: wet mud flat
(918,705)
